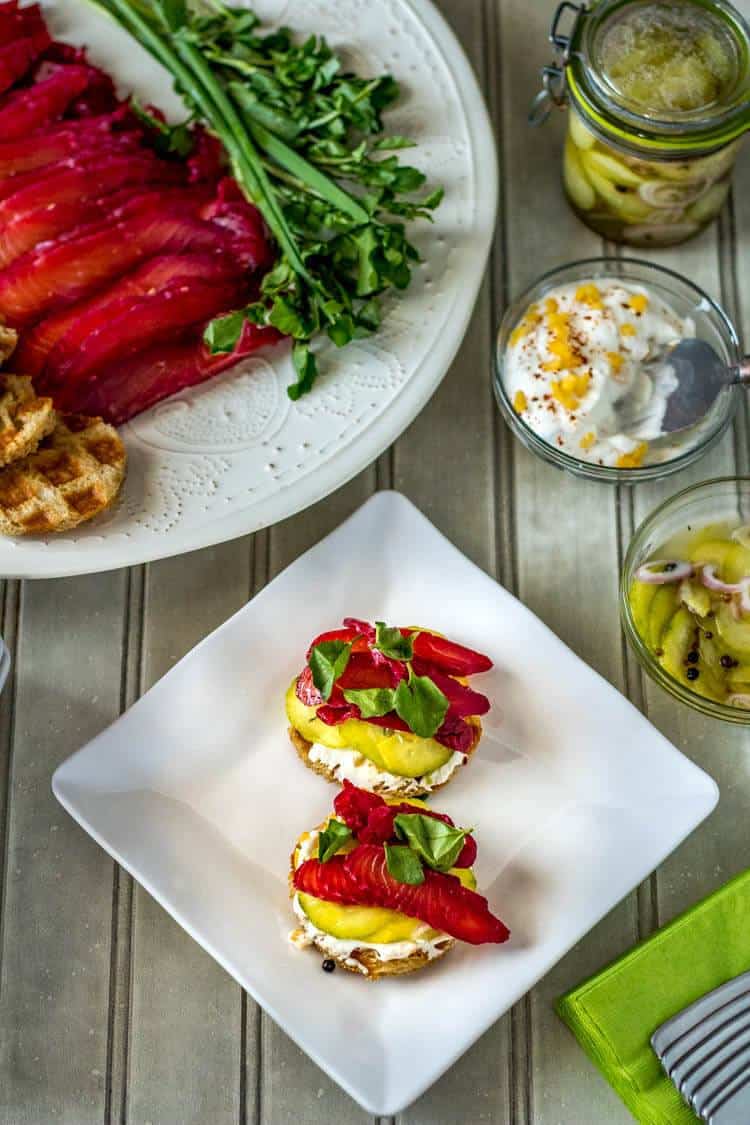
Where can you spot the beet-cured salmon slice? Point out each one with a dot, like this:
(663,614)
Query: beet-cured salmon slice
(68,270)
(135,385)
(22,23)
(232,211)
(15,60)
(97,331)
(80,180)
(96,151)
(136,324)
(61,141)
(24,111)
(441,900)
(87,316)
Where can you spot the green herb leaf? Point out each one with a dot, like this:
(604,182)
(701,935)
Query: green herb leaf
(422,705)
(372,702)
(437,843)
(223,332)
(394,142)
(173,12)
(404,864)
(307,369)
(166,139)
(392,642)
(332,839)
(327,662)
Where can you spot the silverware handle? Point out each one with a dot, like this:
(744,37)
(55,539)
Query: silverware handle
(743,372)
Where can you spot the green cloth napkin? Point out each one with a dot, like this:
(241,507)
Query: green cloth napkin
(615,1013)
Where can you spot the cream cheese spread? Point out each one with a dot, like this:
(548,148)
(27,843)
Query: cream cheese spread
(349,765)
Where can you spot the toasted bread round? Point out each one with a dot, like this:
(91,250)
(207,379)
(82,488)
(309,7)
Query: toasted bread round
(366,962)
(411,787)
(8,341)
(74,475)
(25,417)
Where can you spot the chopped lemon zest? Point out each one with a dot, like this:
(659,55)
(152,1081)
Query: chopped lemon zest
(551,305)
(615,361)
(627,329)
(571,389)
(638,302)
(529,321)
(634,459)
(589,294)
(588,440)
(552,365)
(520,402)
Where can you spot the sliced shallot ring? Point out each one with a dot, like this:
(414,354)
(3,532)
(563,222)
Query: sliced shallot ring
(739,699)
(712,582)
(678,570)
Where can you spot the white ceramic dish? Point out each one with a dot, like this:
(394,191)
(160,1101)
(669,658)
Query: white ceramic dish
(198,793)
(236,455)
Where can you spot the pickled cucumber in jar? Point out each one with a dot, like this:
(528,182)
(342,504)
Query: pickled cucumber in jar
(642,202)
(666,59)
(659,66)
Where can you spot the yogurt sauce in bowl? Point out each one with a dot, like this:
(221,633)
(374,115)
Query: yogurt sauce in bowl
(574,370)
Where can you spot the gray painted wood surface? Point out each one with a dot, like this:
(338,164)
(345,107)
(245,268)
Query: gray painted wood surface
(108,1011)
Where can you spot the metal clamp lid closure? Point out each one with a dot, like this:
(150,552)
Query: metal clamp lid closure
(554,87)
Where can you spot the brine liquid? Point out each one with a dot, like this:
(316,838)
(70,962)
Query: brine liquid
(667,58)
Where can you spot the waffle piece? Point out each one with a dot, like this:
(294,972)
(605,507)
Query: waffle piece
(8,341)
(74,475)
(25,417)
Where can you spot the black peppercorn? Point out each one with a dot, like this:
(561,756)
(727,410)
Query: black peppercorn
(670,566)
(727,661)
(328,965)
(692,656)
(692,673)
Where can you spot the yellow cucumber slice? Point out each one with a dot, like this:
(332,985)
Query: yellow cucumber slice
(625,204)
(577,186)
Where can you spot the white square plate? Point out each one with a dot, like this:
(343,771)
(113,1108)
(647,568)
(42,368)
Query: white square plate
(198,793)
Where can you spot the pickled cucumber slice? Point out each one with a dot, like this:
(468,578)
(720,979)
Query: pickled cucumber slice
(582,137)
(624,203)
(696,598)
(738,679)
(732,560)
(641,596)
(712,675)
(613,169)
(713,552)
(734,632)
(677,641)
(662,610)
(577,186)
(709,205)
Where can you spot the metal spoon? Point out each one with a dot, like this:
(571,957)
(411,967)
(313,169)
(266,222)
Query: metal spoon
(701,377)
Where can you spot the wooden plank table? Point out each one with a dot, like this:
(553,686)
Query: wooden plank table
(108,1011)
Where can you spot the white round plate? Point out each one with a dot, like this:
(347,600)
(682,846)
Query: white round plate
(236,455)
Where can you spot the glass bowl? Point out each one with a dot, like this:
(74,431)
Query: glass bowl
(711,324)
(711,501)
